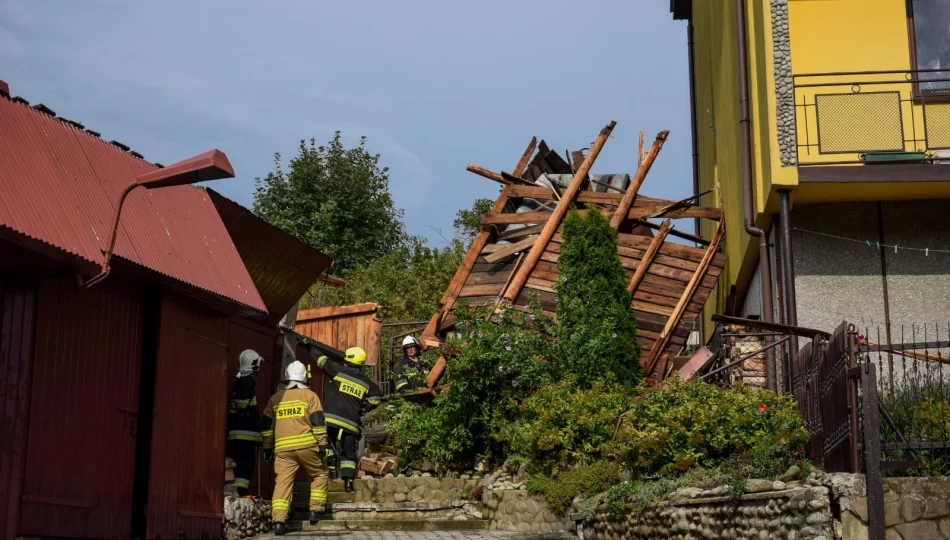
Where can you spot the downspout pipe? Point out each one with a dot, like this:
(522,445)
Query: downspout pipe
(693,136)
(745,134)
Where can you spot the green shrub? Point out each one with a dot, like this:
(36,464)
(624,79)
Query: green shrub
(583,480)
(920,409)
(499,361)
(597,330)
(681,425)
(636,495)
(557,427)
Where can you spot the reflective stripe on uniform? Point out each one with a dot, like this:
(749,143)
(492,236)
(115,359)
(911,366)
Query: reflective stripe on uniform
(347,464)
(296,441)
(322,430)
(280,504)
(267,433)
(374,400)
(242,482)
(321,361)
(401,384)
(339,421)
(319,495)
(241,403)
(244,435)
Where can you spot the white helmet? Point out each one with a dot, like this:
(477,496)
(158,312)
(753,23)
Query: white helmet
(249,361)
(409,341)
(296,375)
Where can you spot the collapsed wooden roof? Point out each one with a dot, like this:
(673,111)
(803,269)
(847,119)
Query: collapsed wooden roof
(515,255)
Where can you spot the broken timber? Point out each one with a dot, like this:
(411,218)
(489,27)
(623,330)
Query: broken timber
(514,256)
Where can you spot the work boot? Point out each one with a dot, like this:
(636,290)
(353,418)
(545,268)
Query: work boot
(348,485)
(280,528)
(315,517)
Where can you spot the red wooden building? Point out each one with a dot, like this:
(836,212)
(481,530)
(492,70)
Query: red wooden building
(113,397)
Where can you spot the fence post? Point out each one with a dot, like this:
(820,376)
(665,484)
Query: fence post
(872,453)
(852,387)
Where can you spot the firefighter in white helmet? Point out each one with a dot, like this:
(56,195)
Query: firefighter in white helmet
(295,435)
(409,374)
(244,420)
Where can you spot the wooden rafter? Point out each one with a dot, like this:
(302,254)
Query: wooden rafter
(525,158)
(648,257)
(511,249)
(685,299)
(550,227)
(628,198)
(482,171)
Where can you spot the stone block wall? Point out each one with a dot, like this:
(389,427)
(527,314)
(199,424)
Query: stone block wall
(388,490)
(244,518)
(517,510)
(914,508)
(799,513)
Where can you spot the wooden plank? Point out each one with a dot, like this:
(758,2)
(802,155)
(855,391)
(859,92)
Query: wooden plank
(486,267)
(545,298)
(435,373)
(648,257)
(518,233)
(687,295)
(510,249)
(306,315)
(678,213)
(542,274)
(525,158)
(481,278)
(491,175)
(631,194)
(541,284)
(510,218)
(481,290)
(640,155)
(554,220)
(474,250)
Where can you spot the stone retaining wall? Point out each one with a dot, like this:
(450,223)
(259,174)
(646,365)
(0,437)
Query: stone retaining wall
(798,513)
(386,490)
(244,518)
(914,508)
(517,510)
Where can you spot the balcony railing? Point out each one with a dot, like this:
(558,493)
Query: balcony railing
(871,117)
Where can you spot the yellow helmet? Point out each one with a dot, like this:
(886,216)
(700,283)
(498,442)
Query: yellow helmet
(356,356)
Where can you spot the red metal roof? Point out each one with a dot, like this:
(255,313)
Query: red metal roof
(59,185)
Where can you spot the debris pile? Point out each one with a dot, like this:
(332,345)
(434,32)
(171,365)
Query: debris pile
(515,255)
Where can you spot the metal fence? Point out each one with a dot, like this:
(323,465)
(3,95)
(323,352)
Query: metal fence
(872,116)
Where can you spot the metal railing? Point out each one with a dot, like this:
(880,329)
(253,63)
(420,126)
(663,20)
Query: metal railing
(871,117)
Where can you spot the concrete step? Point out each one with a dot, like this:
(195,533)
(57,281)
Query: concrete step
(388,525)
(444,510)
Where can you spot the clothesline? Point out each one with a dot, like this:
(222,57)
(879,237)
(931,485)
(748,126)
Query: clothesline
(925,250)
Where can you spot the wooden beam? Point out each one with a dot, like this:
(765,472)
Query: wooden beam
(451,293)
(511,249)
(518,233)
(606,185)
(689,211)
(627,202)
(684,301)
(648,257)
(685,236)
(491,175)
(507,219)
(643,135)
(525,158)
(554,221)
(512,179)
(684,203)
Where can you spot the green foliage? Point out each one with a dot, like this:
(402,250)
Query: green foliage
(680,425)
(583,480)
(407,282)
(920,409)
(636,495)
(336,200)
(558,426)
(596,328)
(468,222)
(498,363)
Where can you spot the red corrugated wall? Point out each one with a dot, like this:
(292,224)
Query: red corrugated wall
(85,386)
(17,309)
(247,335)
(186,480)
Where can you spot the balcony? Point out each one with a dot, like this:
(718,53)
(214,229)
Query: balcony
(872,118)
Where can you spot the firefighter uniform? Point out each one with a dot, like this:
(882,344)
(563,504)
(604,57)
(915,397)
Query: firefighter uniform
(244,420)
(295,434)
(410,375)
(349,395)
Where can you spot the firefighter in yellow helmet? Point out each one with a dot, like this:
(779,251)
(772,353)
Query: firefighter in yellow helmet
(349,395)
(295,435)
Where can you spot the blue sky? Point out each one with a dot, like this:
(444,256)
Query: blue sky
(434,85)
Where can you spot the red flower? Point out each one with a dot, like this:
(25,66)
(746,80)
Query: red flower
(763,407)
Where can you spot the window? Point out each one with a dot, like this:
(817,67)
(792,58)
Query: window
(929,22)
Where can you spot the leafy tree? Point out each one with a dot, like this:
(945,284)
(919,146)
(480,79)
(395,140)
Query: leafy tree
(468,222)
(336,200)
(597,330)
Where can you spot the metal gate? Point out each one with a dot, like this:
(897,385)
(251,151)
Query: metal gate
(186,481)
(83,412)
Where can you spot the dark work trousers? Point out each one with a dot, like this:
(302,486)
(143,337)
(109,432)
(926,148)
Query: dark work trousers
(243,454)
(346,443)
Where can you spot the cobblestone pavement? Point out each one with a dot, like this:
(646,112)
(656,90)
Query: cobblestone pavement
(407,535)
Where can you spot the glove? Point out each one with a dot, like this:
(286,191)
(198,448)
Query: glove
(269,455)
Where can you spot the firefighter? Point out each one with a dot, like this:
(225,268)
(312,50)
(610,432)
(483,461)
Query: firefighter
(295,435)
(349,395)
(244,420)
(410,373)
